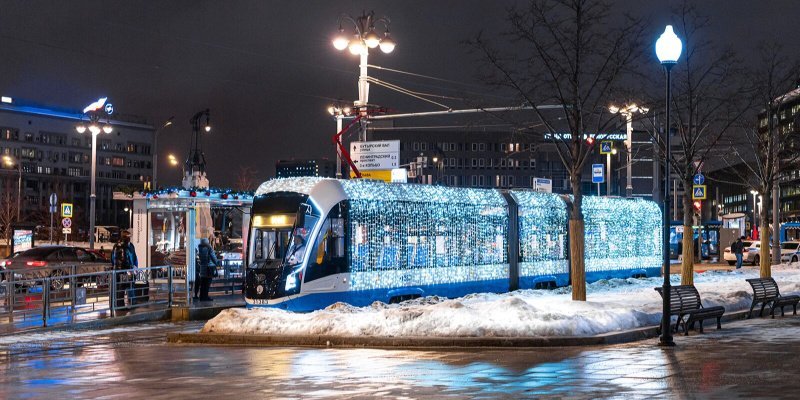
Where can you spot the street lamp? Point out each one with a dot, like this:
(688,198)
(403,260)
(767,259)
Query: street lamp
(628,112)
(172,160)
(608,167)
(363,38)
(155,150)
(339,113)
(94,112)
(130,217)
(755,194)
(10,162)
(668,50)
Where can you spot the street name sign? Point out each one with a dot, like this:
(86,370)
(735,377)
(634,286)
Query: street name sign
(699,192)
(376,155)
(606,147)
(66,210)
(597,173)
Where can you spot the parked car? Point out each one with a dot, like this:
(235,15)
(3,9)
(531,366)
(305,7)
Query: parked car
(749,255)
(54,262)
(790,252)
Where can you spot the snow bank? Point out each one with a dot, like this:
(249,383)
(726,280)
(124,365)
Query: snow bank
(612,305)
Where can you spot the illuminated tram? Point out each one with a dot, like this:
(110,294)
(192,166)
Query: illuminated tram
(316,241)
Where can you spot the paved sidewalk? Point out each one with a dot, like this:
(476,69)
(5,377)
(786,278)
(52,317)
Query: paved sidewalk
(747,359)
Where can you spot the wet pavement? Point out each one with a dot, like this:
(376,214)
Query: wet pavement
(747,359)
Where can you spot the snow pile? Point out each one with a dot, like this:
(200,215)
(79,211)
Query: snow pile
(613,305)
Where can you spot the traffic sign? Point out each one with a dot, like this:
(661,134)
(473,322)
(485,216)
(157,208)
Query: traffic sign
(699,192)
(699,179)
(598,175)
(66,231)
(606,147)
(381,175)
(53,199)
(66,210)
(66,222)
(376,155)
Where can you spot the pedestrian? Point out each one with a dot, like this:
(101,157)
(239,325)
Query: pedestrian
(123,259)
(205,270)
(737,248)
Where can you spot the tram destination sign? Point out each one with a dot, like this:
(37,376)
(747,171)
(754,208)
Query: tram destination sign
(375,155)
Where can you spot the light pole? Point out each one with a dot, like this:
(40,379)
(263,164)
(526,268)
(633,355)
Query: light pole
(130,217)
(10,162)
(94,112)
(155,150)
(755,194)
(668,50)
(363,38)
(628,112)
(339,113)
(608,168)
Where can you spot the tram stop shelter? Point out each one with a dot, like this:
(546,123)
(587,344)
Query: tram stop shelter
(167,225)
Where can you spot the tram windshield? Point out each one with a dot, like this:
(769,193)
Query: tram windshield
(304,224)
(269,245)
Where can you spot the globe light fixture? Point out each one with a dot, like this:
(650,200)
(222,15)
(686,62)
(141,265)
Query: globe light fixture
(668,47)
(387,44)
(356,45)
(372,39)
(341,41)
(107,128)
(81,128)
(94,129)
(208,128)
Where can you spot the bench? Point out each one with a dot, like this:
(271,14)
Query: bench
(685,303)
(765,291)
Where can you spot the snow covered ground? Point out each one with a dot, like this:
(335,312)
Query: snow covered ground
(612,305)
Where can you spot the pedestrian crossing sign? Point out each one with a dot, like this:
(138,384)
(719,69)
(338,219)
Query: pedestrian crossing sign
(66,210)
(699,192)
(606,147)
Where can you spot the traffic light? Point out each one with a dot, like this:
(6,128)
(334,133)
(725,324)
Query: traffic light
(698,206)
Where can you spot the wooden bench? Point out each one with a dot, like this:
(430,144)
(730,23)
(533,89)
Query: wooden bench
(765,291)
(685,303)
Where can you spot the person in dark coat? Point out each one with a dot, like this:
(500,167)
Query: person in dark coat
(737,248)
(123,258)
(206,267)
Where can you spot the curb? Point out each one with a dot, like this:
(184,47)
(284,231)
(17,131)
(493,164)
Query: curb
(224,339)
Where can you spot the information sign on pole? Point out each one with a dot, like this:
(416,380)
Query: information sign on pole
(543,185)
(376,155)
(598,174)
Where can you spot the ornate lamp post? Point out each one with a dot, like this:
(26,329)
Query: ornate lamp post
(95,112)
(628,111)
(363,38)
(668,50)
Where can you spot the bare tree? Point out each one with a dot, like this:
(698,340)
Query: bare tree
(246,179)
(8,210)
(572,54)
(710,98)
(763,152)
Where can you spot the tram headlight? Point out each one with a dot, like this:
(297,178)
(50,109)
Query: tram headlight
(292,280)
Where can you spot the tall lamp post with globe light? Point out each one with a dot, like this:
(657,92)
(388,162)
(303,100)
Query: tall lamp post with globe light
(668,50)
(94,112)
(628,111)
(364,38)
(11,162)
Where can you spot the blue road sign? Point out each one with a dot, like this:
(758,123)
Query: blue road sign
(598,175)
(606,147)
(699,179)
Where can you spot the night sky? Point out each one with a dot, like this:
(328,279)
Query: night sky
(267,69)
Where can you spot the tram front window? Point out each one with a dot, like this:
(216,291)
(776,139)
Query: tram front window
(269,247)
(299,242)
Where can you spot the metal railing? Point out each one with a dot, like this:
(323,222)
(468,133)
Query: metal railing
(64,294)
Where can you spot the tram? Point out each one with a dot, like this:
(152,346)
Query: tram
(316,241)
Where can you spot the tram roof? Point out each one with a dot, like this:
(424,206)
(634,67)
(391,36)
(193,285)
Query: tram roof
(363,189)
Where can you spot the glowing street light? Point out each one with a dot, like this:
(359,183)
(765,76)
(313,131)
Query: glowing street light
(95,112)
(668,50)
(628,111)
(10,162)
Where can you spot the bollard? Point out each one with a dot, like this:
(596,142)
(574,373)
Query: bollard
(112,293)
(169,285)
(11,293)
(72,286)
(45,300)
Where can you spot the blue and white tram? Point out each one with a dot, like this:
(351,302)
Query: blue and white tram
(316,241)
